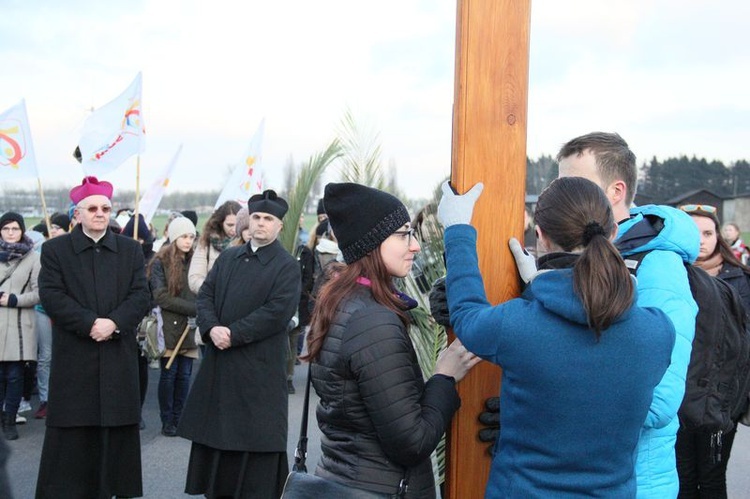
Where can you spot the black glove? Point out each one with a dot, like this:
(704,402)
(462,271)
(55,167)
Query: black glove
(439,303)
(491,419)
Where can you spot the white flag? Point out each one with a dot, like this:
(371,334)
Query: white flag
(114,132)
(246,179)
(151,199)
(17,158)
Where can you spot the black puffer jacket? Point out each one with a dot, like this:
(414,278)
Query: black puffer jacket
(377,415)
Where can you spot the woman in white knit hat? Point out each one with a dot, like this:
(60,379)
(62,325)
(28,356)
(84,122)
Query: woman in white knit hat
(168,278)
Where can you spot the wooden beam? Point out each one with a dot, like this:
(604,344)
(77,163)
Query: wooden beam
(489,145)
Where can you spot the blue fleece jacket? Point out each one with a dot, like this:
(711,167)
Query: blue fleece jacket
(572,406)
(673,240)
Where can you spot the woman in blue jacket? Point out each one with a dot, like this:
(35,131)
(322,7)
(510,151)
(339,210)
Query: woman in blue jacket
(580,360)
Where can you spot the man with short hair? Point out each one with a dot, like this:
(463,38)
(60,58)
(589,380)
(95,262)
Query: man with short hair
(236,412)
(93,286)
(672,241)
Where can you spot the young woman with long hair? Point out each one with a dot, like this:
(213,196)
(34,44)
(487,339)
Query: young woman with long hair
(168,279)
(379,419)
(580,361)
(218,233)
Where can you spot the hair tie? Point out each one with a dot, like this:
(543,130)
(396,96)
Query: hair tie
(592,229)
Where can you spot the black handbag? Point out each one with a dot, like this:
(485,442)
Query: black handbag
(302,485)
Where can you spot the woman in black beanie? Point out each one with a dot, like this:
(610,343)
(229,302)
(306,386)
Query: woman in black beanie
(19,271)
(380,421)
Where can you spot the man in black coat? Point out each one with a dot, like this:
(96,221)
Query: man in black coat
(93,286)
(236,412)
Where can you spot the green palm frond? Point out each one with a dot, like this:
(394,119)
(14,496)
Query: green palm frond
(308,175)
(360,161)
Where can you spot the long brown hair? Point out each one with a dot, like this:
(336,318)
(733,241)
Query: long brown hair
(341,283)
(174,263)
(575,213)
(214,226)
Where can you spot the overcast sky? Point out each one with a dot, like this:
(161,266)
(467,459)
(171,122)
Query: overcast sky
(671,76)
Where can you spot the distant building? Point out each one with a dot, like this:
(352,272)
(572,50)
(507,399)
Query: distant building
(700,196)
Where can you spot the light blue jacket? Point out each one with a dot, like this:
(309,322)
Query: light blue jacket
(663,284)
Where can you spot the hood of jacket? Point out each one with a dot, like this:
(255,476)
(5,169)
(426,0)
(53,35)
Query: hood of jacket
(553,289)
(655,227)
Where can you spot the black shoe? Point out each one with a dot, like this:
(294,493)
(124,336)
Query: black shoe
(290,387)
(9,426)
(169,430)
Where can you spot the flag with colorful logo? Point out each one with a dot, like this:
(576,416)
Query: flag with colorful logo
(17,158)
(246,179)
(114,132)
(152,197)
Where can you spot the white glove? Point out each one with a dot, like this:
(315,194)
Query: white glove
(454,209)
(525,262)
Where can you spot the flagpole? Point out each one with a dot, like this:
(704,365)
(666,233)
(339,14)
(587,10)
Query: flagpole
(137,195)
(44,207)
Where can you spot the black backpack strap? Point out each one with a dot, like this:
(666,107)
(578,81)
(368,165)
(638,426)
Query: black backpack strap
(632,262)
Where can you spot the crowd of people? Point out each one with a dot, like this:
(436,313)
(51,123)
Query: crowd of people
(73,292)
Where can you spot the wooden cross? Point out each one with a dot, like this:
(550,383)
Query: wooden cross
(489,145)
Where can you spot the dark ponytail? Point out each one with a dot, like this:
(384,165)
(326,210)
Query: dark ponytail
(575,214)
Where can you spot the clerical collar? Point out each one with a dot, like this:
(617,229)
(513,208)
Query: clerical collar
(95,239)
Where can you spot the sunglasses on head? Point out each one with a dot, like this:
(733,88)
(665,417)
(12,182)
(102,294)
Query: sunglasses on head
(93,209)
(691,208)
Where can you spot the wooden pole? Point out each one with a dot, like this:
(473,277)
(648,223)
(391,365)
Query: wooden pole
(177,347)
(489,145)
(44,208)
(137,196)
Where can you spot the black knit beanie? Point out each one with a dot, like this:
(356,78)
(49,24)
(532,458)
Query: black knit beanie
(362,217)
(12,216)
(143,232)
(61,220)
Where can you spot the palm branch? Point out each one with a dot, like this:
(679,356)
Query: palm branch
(306,178)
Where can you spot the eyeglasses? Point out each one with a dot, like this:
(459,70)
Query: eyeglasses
(93,209)
(405,234)
(11,229)
(690,208)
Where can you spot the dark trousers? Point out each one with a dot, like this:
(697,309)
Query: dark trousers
(142,376)
(11,385)
(702,474)
(174,384)
(29,379)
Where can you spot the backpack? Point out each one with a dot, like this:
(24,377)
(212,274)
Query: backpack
(151,336)
(718,376)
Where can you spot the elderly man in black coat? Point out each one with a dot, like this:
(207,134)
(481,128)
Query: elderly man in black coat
(93,286)
(236,413)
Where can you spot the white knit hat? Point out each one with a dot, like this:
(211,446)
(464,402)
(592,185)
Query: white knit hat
(179,227)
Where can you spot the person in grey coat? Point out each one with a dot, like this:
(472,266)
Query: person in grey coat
(236,412)
(93,286)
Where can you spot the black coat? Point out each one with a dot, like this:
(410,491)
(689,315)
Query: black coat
(239,398)
(377,416)
(739,280)
(93,383)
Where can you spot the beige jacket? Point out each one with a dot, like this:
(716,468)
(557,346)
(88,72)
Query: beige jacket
(17,337)
(202,262)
